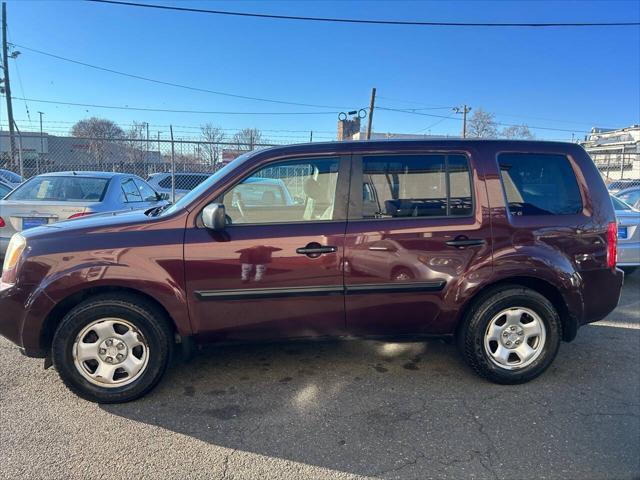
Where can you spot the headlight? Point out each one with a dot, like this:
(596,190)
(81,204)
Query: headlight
(16,246)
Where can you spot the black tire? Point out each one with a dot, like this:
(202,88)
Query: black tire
(144,315)
(629,270)
(471,333)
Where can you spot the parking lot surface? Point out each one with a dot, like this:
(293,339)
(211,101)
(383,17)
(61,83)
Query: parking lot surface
(340,410)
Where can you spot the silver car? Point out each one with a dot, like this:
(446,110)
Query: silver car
(630,195)
(628,235)
(184,182)
(53,197)
(5,188)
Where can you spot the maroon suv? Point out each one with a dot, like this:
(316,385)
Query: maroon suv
(507,246)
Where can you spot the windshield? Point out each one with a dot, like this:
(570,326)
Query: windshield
(204,186)
(10,176)
(619,204)
(61,189)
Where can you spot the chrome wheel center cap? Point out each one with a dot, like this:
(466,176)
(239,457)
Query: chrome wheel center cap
(512,336)
(113,351)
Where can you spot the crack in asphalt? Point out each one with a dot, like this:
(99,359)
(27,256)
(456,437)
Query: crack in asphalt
(488,466)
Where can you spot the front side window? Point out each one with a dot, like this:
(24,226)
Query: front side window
(292,191)
(539,184)
(416,186)
(131,192)
(148,194)
(61,189)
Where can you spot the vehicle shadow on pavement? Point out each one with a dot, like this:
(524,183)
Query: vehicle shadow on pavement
(411,410)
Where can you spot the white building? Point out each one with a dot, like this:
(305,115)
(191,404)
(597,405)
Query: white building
(616,152)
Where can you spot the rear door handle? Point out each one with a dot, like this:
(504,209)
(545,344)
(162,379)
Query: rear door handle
(314,250)
(465,242)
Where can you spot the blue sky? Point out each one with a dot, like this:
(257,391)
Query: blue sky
(566,78)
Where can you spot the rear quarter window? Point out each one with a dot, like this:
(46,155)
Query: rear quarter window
(539,184)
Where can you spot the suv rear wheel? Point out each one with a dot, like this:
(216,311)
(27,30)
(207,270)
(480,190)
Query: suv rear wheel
(112,348)
(511,335)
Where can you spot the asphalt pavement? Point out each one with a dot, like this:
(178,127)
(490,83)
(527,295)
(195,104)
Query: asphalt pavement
(340,410)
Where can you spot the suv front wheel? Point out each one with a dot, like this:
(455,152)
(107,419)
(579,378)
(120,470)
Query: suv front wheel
(510,335)
(112,348)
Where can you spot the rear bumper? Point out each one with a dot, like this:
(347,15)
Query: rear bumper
(602,290)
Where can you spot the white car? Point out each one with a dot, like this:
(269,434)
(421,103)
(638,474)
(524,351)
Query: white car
(185,182)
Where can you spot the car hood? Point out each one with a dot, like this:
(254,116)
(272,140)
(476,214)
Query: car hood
(99,221)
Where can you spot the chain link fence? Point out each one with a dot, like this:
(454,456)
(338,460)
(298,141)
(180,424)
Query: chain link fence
(33,155)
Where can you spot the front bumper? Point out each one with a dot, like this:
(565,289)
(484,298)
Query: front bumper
(22,316)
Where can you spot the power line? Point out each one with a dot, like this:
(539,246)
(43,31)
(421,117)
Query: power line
(414,23)
(193,127)
(413,102)
(167,110)
(172,84)
(413,112)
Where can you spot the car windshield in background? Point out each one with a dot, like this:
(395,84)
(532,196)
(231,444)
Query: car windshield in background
(61,189)
(619,204)
(9,176)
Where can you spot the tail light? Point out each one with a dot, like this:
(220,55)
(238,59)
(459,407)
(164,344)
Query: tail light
(79,214)
(612,244)
(2,224)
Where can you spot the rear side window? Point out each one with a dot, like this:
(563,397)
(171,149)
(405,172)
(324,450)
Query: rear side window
(539,184)
(165,182)
(183,181)
(416,186)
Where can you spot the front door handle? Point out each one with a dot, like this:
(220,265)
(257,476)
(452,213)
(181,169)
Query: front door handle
(462,242)
(314,250)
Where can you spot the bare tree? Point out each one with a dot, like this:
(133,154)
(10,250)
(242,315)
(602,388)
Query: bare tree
(134,142)
(99,133)
(247,139)
(482,125)
(517,132)
(213,135)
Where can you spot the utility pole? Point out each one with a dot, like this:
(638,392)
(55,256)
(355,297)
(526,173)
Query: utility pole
(372,104)
(147,125)
(7,84)
(311,136)
(464,110)
(41,146)
(173,167)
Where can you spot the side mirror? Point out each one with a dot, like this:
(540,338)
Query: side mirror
(213,217)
